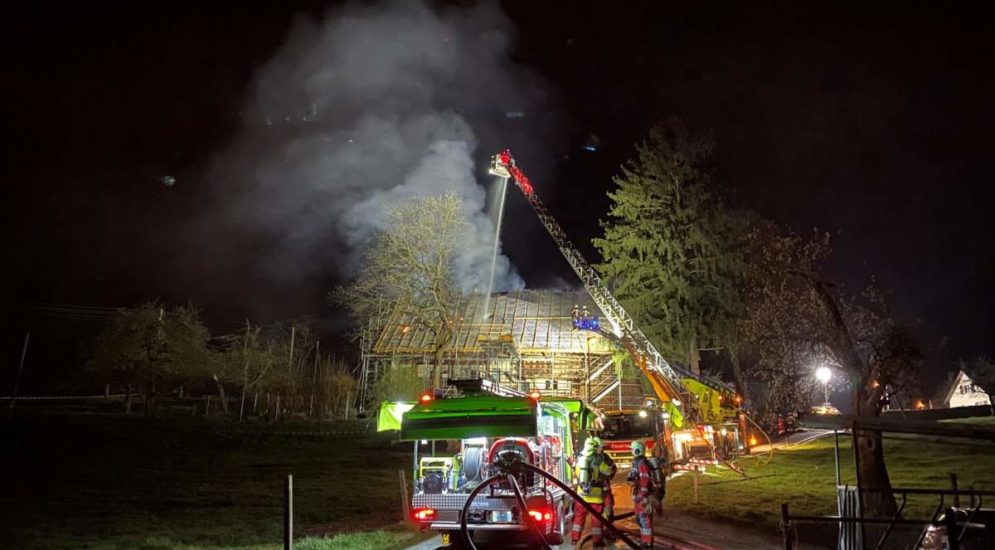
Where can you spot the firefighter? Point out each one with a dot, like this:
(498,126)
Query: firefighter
(588,474)
(606,480)
(641,478)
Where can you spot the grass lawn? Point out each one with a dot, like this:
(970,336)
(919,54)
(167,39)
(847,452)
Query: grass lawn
(983,420)
(107,481)
(804,477)
(371,540)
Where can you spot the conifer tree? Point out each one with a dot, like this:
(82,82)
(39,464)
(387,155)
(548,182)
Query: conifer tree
(670,251)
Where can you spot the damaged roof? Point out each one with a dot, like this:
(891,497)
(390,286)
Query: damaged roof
(534,321)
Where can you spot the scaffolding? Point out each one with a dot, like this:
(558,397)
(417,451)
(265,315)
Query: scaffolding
(528,341)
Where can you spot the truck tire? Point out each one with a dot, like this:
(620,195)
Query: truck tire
(563,516)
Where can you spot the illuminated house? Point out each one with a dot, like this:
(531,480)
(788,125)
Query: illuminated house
(965,393)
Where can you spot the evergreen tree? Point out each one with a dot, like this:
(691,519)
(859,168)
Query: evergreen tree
(668,247)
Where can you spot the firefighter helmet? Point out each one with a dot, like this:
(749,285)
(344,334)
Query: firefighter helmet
(591,445)
(638,448)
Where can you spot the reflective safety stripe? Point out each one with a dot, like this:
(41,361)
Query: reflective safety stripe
(577,528)
(645,531)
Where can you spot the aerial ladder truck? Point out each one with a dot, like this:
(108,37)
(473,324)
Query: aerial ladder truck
(698,409)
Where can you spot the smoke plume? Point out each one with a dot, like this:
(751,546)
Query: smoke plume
(365,109)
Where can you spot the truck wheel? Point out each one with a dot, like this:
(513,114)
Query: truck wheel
(563,516)
(557,531)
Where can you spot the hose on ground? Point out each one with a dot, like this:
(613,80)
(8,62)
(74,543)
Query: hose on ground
(770,442)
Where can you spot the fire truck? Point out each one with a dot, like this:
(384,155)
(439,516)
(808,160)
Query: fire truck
(458,442)
(700,418)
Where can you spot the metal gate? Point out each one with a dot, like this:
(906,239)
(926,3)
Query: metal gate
(848,506)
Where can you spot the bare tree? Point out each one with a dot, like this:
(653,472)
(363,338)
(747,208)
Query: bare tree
(150,346)
(409,266)
(336,387)
(249,361)
(799,318)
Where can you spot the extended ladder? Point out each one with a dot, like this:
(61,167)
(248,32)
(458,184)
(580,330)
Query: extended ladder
(666,380)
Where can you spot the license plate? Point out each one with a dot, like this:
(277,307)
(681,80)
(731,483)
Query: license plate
(445,538)
(501,516)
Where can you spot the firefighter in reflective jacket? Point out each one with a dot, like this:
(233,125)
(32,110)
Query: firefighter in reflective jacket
(589,473)
(606,481)
(642,480)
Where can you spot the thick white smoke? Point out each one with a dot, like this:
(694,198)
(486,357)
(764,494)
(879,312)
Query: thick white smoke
(361,111)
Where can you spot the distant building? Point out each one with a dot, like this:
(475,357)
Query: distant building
(965,393)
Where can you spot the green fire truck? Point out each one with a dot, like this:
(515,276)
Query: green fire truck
(456,442)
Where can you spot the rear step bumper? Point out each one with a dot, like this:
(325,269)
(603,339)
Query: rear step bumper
(447,526)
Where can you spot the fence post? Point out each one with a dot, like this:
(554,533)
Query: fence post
(953,485)
(288,514)
(786,527)
(696,483)
(953,534)
(404,496)
(836,446)
(862,528)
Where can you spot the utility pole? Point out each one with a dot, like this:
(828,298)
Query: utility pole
(17,381)
(290,364)
(317,360)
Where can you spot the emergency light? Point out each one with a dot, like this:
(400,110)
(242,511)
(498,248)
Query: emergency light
(540,515)
(423,514)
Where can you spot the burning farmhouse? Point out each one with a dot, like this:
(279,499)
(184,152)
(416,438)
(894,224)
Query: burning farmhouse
(529,340)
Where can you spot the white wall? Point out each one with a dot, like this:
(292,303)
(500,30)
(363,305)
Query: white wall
(966,393)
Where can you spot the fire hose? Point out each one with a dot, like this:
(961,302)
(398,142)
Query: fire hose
(510,465)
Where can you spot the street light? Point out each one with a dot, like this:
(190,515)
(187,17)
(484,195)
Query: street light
(823,374)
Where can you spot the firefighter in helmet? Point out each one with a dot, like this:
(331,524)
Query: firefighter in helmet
(647,484)
(600,456)
(588,473)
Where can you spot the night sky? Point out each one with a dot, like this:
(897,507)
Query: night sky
(874,125)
